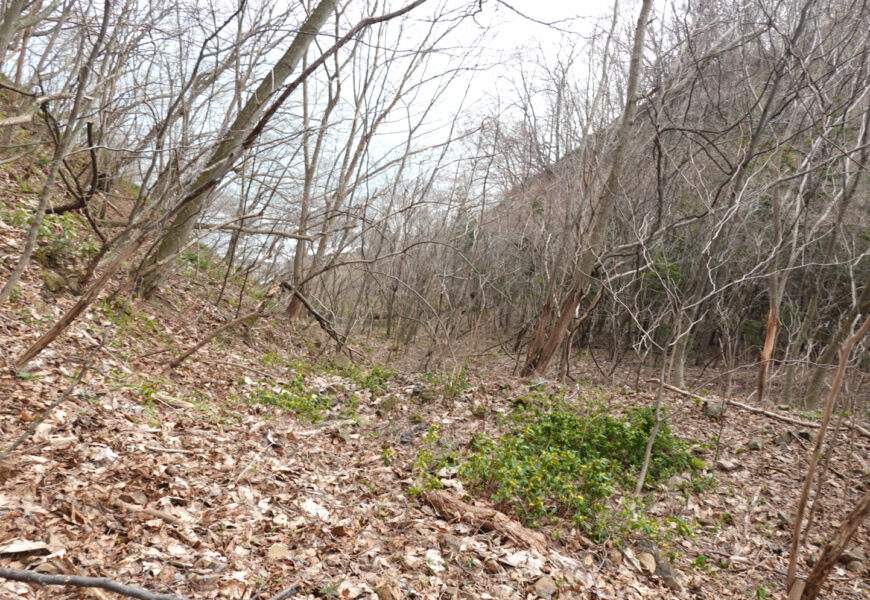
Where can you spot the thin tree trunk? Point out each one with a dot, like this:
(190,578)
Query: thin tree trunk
(834,549)
(181,226)
(63,145)
(844,353)
(826,359)
(540,355)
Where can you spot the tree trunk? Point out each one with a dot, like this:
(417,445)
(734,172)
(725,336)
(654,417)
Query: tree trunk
(183,222)
(540,354)
(826,359)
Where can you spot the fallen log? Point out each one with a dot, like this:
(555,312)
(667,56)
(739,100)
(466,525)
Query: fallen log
(756,410)
(452,508)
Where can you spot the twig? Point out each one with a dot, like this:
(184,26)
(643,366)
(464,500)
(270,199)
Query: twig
(287,592)
(66,393)
(168,450)
(87,582)
(760,411)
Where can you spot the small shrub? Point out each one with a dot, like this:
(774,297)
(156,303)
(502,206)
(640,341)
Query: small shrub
(374,380)
(562,464)
(293,397)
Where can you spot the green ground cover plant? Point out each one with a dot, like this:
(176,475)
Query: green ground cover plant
(561,463)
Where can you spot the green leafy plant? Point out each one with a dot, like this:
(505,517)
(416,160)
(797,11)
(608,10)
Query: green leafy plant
(564,464)
(295,398)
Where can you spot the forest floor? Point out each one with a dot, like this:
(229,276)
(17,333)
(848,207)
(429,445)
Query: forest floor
(188,481)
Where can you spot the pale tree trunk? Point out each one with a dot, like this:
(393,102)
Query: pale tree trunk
(182,224)
(540,354)
(681,345)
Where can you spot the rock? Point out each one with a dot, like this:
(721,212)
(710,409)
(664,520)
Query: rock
(715,408)
(648,562)
(54,282)
(783,439)
(755,443)
(853,555)
(615,557)
(650,557)
(805,435)
(728,465)
(856,566)
(545,587)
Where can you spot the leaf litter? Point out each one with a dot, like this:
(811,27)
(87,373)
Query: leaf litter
(174,483)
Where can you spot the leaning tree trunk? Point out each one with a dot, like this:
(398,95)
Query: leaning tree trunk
(182,224)
(540,354)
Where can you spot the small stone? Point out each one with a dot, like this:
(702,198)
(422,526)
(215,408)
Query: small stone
(856,566)
(615,557)
(715,408)
(648,562)
(545,587)
(783,439)
(728,465)
(755,443)
(853,555)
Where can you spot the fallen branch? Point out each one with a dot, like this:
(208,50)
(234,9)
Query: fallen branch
(85,582)
(453,509)
(168,450)
(760,411)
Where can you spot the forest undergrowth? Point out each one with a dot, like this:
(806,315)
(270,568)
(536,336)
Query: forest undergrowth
(270,461)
